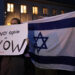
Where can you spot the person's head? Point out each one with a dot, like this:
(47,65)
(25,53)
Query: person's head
(15,21)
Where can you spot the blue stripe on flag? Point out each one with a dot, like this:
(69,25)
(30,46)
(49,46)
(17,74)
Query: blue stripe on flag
(65,23)
(66,60)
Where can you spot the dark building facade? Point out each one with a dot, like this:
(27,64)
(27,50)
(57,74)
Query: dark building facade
(1,12)
(27,10)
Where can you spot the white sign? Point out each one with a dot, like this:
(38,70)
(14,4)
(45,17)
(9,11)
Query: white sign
(13,39)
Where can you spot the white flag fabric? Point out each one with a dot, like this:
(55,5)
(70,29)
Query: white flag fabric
(52,42)
(13,39)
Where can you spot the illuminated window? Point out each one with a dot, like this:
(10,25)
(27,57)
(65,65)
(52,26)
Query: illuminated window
(23,9)
(45,11)
(35,10)
(62,11)
(10,7)
(8,23)
(54,11)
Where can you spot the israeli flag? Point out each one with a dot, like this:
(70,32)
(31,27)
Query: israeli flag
(52,42)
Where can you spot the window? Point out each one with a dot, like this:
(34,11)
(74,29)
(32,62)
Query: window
(10,7)
(35,10)
(23,9)
(8,23)
(62,11)
(54,12)
(45,11)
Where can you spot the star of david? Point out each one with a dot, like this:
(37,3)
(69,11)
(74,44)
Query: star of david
(43,39)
